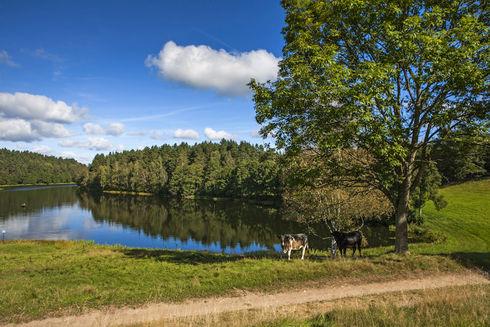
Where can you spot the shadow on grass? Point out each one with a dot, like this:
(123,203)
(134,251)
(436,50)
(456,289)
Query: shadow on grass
(480,260)
(195,258)
(181,257)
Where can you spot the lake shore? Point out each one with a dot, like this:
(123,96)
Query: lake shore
(196,197)
(38,184)
(55,278)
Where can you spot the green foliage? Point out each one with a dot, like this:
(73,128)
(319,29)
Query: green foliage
(226,169)
(462,154)
(385,77)
(33,168)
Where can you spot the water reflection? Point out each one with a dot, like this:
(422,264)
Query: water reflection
(218,226)
(65,213)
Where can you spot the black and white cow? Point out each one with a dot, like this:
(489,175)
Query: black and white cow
(291,242)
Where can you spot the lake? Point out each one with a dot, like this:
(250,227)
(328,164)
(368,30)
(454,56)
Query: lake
(66,213)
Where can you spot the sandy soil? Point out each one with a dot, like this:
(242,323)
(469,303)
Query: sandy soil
(161,312)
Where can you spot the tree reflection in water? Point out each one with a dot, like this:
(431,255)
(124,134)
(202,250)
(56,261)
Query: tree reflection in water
(227,223)
(138,221)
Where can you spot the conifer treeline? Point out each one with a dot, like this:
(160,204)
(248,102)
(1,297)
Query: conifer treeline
(24,167)
(225,169)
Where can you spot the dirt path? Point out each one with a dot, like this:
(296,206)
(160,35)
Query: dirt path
(209,306)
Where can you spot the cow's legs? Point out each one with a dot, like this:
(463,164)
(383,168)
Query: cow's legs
(289,254)
(353,250)
(303,254)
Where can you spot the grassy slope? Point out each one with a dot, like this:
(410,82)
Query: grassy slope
(465,222)
(46,278)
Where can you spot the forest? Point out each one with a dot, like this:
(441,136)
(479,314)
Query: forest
(24,167)
(225,169)
(242,170)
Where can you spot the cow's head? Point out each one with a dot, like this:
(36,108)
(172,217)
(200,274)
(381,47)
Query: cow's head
(285,242)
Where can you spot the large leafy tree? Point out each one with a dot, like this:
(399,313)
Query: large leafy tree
(381,76)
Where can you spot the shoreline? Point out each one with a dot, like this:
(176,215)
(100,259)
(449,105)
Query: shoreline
(37,184)
(196,197)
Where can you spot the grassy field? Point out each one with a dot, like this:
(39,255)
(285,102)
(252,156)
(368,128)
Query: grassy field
(44,278)
(457,306)
(465,222)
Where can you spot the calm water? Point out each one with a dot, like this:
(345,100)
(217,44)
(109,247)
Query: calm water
(64,213)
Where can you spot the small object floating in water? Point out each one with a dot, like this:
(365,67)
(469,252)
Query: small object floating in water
(23,205)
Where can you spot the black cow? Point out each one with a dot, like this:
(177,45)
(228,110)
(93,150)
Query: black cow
(344,240)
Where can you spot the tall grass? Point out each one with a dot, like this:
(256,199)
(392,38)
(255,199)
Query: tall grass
(458,306)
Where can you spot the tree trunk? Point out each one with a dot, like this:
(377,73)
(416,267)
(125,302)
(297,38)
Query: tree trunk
(401,221)
(401,217)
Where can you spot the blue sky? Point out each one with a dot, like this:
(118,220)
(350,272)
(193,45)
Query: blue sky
(80,78)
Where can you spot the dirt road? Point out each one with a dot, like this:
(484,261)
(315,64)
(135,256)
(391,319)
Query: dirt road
(209,306)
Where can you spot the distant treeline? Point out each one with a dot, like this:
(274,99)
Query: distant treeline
(225,169)
(238,170)
(24,167)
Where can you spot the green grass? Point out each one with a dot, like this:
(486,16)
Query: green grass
(48,277)
(458,306)
(42,278)
(465,222)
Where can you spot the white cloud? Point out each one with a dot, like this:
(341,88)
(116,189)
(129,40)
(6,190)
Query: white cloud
(78,157)
(114,129)
(217,135)
(54,130)
(42,149)
(6,59)
(186,134)
(16,130)
(28,106)
(203,67)
(93,129)
(21,130)
(92,143)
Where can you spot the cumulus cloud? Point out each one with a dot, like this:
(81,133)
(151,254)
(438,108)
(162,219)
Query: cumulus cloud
(46,129)
(92,143)
(6,59)
(16,130)
(114,129)
(93,129)
(216,135)
(186,134)
(28,106)
(203,67)
(21,130)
